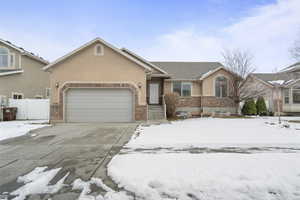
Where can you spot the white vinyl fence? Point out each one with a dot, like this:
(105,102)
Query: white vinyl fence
(30,109)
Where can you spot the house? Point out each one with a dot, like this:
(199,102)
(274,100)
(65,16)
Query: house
(282,89)
(100,83)
(21,73)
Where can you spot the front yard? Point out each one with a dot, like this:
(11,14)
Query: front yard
(194,159)
(211,159)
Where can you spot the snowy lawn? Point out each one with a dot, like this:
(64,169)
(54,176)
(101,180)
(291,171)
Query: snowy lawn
(12,129)
(168,161)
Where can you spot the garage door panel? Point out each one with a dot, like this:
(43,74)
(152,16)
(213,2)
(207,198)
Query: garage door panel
(99,105)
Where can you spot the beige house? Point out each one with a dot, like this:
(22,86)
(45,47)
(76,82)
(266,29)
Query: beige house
(282,89)
(21,73)
(101,83)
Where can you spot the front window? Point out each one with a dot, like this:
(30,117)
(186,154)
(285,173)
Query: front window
(4,57)
(99,51)
(16,95)
(286,96)
(221,86)
(296,95)
(182,88)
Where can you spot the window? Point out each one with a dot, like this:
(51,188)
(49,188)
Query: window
(48,92)
(4,55)
(182,88)
(221,86)
(6,59)
(296,94)
(286,94)
(99,51)
(16,95)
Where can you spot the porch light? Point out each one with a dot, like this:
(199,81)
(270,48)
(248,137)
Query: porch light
(140,85)
(57,84)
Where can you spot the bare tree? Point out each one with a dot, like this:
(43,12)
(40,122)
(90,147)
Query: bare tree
(240,64)
(295,50)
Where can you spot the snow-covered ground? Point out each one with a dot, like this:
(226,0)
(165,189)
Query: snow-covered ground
(156,165)
(209,132)
(12,129)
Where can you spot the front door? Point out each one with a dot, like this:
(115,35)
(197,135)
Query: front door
(154,93)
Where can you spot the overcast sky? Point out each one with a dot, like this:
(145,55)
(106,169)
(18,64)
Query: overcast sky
(179,30)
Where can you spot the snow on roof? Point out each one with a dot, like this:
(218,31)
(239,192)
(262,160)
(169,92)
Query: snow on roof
(277,82)
(22,50)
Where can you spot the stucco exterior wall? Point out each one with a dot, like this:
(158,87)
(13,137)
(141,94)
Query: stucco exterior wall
(208,84)
(109,68)
(33,81)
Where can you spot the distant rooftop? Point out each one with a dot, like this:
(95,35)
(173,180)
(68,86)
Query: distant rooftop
(22,50)
(187,70)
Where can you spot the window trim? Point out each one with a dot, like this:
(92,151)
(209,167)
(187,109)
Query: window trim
(96,48)
(46,92)
(17,93)
(214,85)
(10,63)
(286,96)
(181,84)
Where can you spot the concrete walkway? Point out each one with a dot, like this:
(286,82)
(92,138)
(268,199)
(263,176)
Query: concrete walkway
(81,149)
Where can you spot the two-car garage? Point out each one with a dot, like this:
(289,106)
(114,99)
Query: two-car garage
(99,105)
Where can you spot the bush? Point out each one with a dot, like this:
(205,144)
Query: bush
(261,107)
(171,103)
(249,107)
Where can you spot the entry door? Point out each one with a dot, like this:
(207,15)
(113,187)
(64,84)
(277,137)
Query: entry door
(154,93)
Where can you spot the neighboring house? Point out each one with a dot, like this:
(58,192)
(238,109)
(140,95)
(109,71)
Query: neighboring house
(21,73)
(282,89)
(101,83)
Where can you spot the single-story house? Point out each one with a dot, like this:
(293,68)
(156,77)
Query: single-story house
(101,83)
(282,89)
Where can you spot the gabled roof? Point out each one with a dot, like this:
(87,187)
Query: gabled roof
(144,61)
(187,70)
(143,65)
(291,68)
(24,52)
(280,78)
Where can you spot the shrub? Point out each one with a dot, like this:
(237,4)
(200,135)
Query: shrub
(171,100)
(261,107)
(249,107)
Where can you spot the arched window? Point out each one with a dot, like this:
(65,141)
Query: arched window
(99,51)
(4,57)
(221,86)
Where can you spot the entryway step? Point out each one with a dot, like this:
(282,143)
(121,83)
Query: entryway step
(156,112)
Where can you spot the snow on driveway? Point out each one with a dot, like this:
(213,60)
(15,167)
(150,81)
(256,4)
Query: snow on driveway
(12,129)
(177,174)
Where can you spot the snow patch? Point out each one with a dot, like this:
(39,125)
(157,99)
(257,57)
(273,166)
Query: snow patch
(215,132)
(85,187)
(37,182)
(13,129)
(277,82)
(208,176)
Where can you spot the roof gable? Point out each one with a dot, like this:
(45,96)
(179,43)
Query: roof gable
(23,51)
(61,59)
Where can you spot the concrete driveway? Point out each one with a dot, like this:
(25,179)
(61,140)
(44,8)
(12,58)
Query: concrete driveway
(81,149)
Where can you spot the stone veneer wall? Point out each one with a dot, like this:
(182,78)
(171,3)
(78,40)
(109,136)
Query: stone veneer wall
(189,102)
(206,104)
(56,109)
(211,101)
